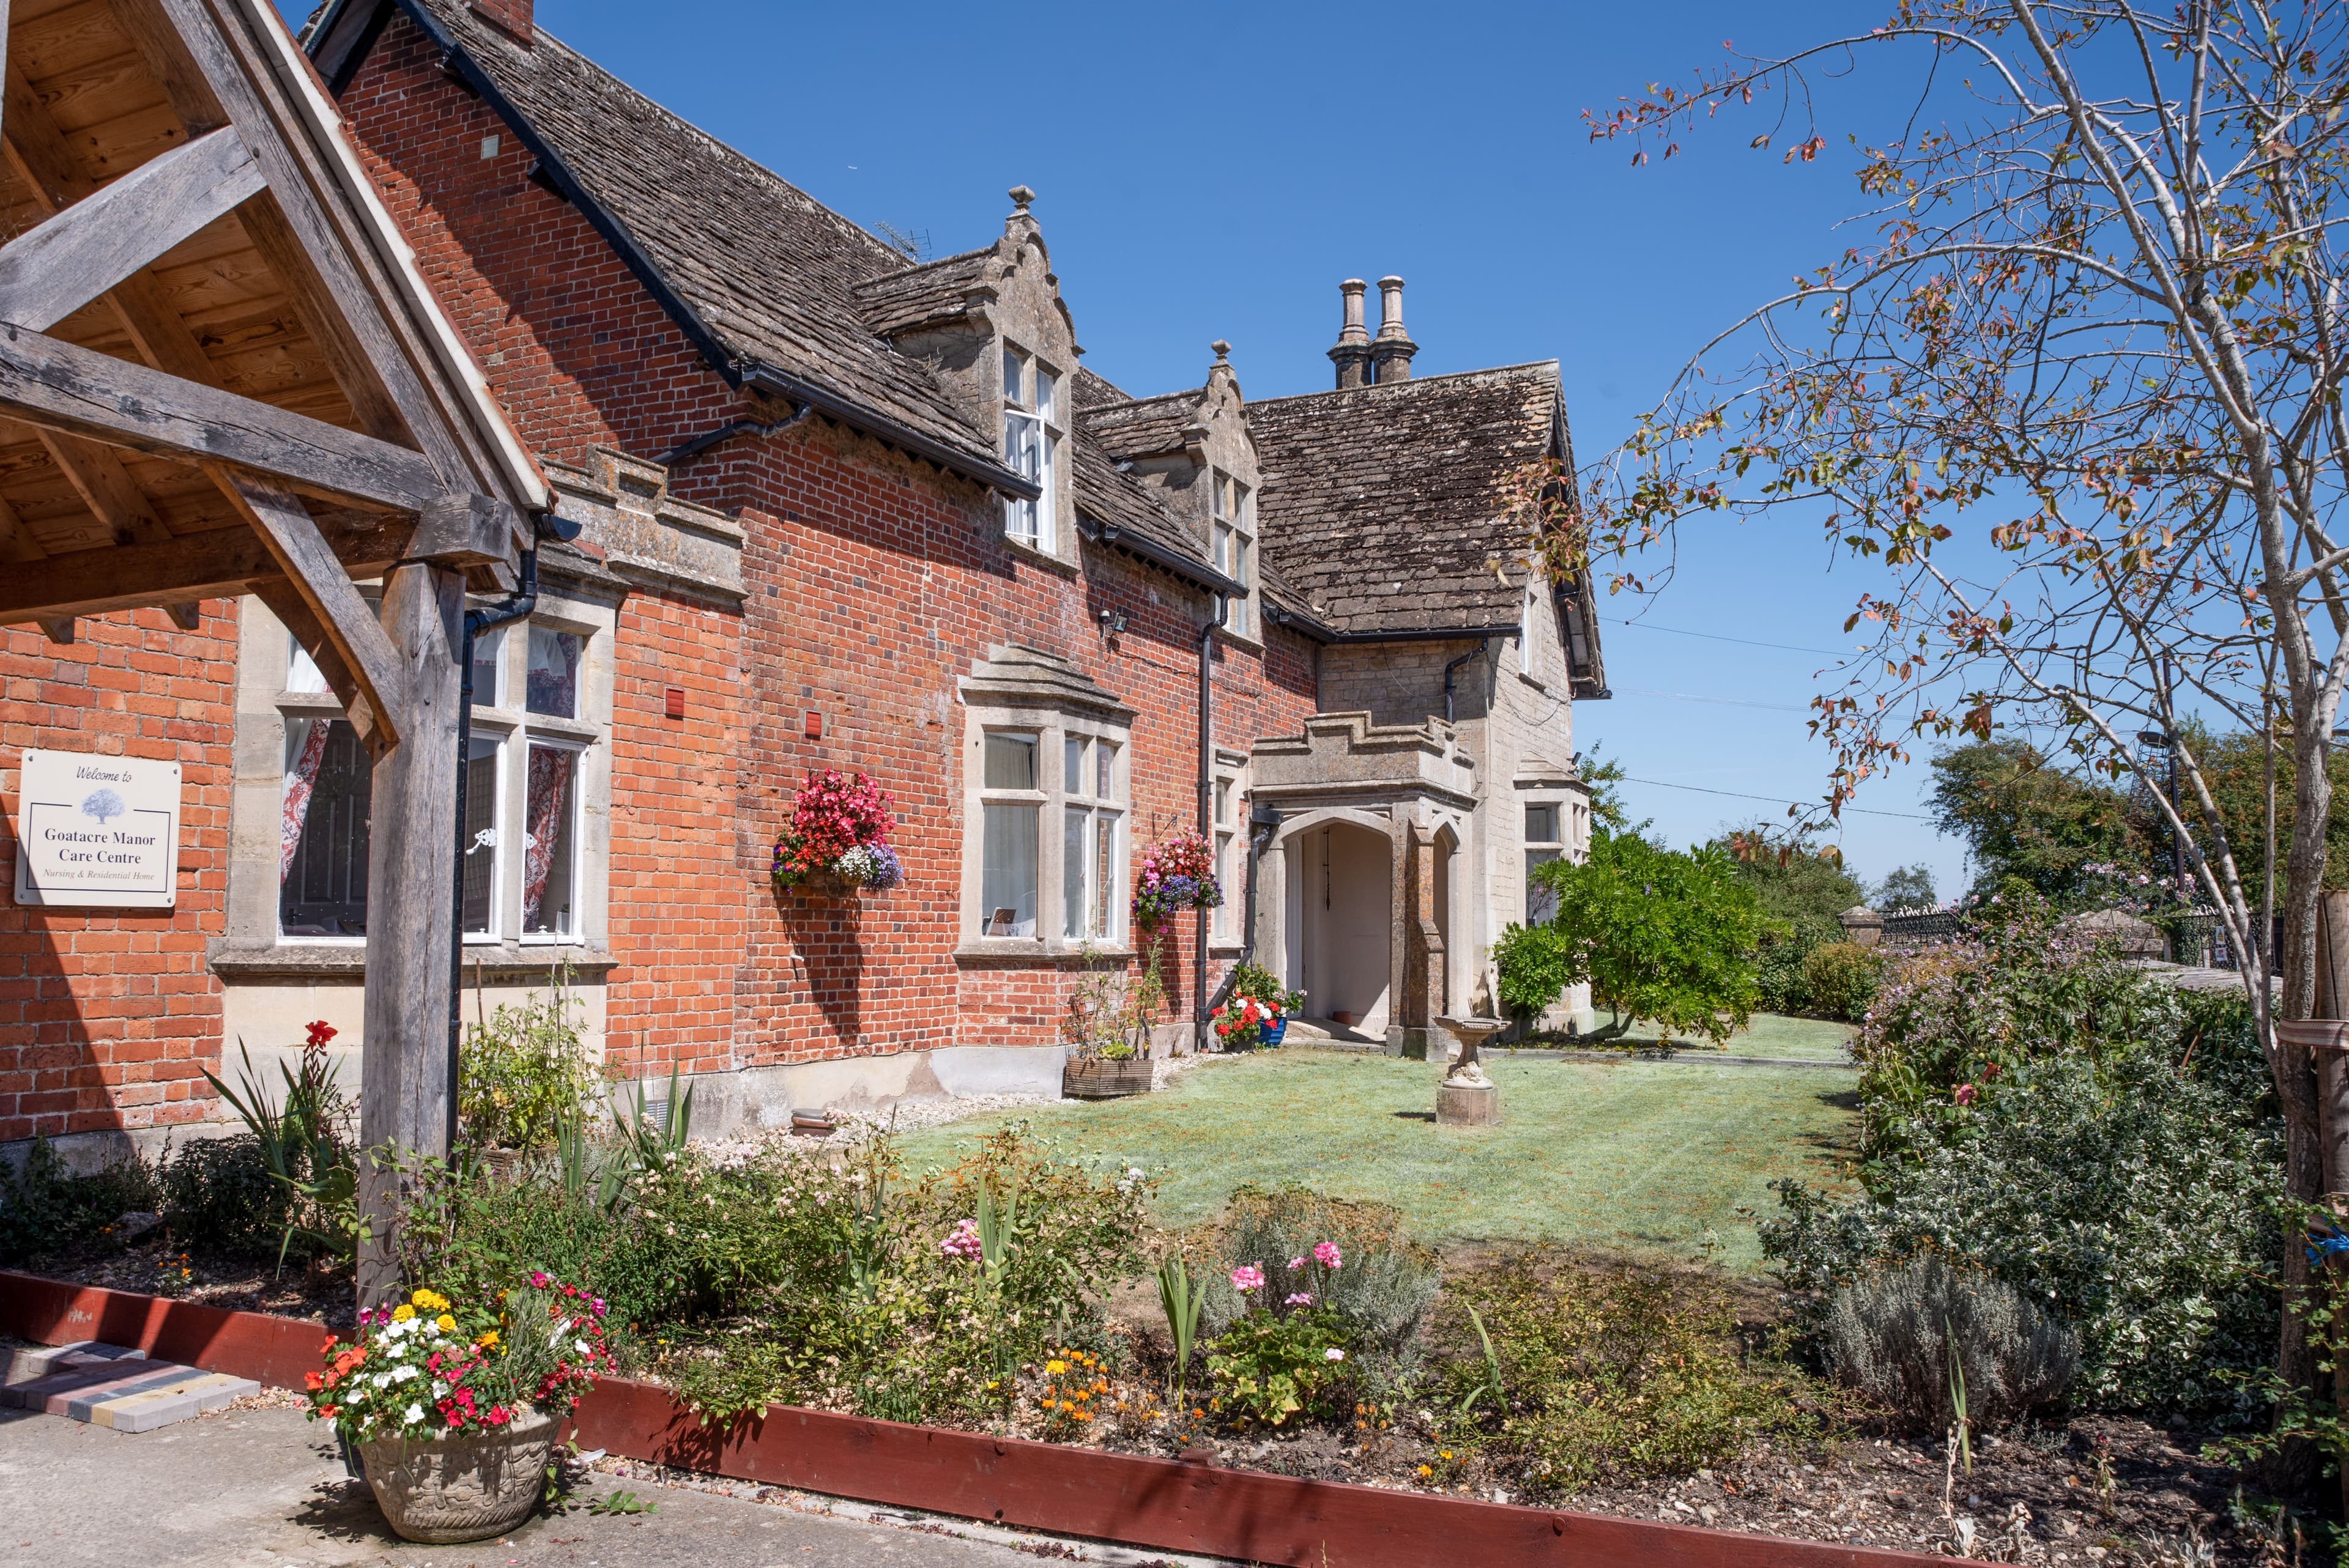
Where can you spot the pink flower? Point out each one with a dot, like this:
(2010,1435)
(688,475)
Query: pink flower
(540,1280)
(964,1242)
(1327,1253)
(1246,1277)
(1333,1354)
(1302,1298)
(1296,1262)
(1963,1094)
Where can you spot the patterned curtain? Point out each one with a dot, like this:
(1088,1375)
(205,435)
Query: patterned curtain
(550,790)
(306,745)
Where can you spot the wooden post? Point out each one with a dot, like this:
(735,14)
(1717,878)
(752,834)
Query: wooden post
(411,862)
(2329,1049)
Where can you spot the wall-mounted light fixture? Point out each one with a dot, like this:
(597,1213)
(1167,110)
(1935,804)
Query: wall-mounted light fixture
(1112,623)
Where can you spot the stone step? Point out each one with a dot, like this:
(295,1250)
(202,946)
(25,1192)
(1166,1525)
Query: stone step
(107,1386)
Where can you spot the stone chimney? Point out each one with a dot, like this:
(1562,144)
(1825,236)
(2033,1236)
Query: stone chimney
(1352,355)
(1391,354)
(511,17)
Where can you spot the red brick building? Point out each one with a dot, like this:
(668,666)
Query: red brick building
(841,507)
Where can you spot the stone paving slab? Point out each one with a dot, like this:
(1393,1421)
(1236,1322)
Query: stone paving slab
(263,1488)
(27,1363)
(124,1391)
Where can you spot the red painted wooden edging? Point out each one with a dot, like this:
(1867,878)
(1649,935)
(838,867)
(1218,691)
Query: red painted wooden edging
(1161,1503)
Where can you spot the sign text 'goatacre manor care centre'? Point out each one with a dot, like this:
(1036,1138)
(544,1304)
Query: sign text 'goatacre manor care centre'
(96,831)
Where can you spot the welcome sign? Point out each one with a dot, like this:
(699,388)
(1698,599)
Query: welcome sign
(97,831)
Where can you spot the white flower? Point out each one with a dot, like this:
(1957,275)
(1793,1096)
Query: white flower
(1333,1354)
(415,1414)
(383,1379)
(585,1348)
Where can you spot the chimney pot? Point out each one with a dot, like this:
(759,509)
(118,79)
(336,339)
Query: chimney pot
(1390,352)
(511,17)
(1352,353)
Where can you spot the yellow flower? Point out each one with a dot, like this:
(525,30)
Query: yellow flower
(1443,1453)
(1056,1368)
(402,1313)
(488,1341)
(1426,1471)
(447,1323)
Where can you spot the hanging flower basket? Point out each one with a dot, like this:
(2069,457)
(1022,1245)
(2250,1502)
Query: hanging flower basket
(838,842)
(1173,876)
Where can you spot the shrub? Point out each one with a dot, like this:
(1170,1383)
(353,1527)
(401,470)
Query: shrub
(1840,978)
(527,1072)
(46,1208)
(1890,1336)
(1382,1289)
(2137,1210)
(223,1191)
(1607,1376)
(1535,965)
(1778,966)
(1659,934)
(1270,1365)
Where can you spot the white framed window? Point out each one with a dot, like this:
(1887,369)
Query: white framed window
(1226,833)
(1031,446)
(1235,544)
(1011,807)
(484,795)
(550,846)
(322,862)
(1543,845)
(1092,840)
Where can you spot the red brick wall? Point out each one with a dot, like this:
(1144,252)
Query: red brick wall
(876,583)
(108,1016)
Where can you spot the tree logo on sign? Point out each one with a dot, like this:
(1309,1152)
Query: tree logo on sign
(103,804)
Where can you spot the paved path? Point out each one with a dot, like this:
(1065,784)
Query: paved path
(263,1489)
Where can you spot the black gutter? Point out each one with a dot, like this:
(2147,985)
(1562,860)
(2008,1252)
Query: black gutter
(1193,572)
(1216,606)
(557,175)
(1433,635)
(694,445)
(1304,625)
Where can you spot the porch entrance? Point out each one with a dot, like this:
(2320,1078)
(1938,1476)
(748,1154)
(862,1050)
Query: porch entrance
(1342,929)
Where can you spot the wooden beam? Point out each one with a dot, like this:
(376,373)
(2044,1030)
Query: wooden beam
(60,629)
(294,615)
(186,616)
(58,386)
(55,268)
(406,1100)
(107,487)
(218,563)
(309,564)
(17,534)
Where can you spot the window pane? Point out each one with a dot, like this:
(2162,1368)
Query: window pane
(322,859)
(1011,762)
(488,649)
(480,850)
(553,685)
(1076,868)
(1223,549)
(1541,904)
(1541,825)
(1047,392)
(1223,800)
(1109,877)
(301,670)
(548,856)
(1013,389)
(1105,760)
(1073,768)
(1048,457)
(1008,872)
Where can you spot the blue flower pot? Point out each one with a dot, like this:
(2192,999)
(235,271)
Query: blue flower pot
(1270,1033)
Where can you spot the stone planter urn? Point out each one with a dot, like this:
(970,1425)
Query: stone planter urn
(1466,1097)
(468,1488)
(1103,1078)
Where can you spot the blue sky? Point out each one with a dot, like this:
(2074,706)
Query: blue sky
(1213,171)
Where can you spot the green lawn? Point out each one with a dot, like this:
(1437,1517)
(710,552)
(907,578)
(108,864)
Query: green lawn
(1641,1156)
(1769,1035)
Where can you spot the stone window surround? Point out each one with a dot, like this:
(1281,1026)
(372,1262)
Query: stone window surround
(1050,728)
(1056,505)
(1224,936)
(253,946)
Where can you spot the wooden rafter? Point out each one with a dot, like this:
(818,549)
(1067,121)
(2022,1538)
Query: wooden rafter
(59,266)
(220,563)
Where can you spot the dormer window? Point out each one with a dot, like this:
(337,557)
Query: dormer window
(1234,526)
(1031,441)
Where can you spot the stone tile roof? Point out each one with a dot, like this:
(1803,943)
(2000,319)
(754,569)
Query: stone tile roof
(1380,505)
(1087,390)
(772,274)
(1123,502)
(1143,427)
(931,295)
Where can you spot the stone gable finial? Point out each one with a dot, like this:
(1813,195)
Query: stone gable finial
(1020,198)
(1223,351)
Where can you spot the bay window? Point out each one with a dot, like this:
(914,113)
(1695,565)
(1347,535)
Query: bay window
(1093,828)
(1012,805)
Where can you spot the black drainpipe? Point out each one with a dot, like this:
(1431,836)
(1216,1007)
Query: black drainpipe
(1207,805)
(695,446)
(1476,652)
(524,601)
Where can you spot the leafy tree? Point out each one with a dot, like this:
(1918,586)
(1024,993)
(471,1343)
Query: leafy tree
(1909,887)
(2024,815)
(2093,321)
(1793,879)
(1604,776)
(1660,935)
